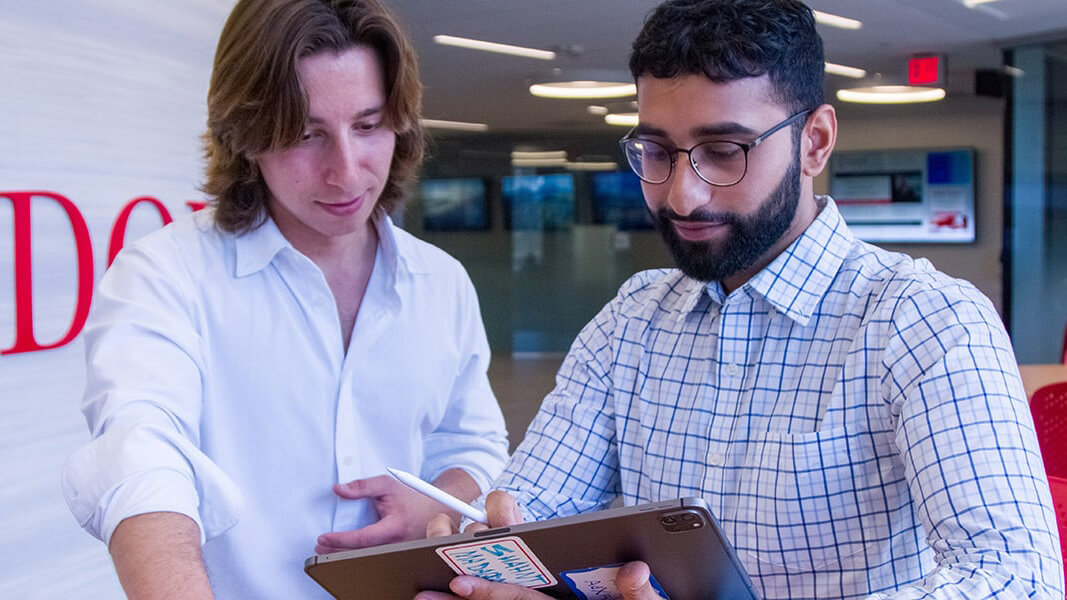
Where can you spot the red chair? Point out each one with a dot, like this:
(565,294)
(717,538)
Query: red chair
(1049,408)
(1058,485)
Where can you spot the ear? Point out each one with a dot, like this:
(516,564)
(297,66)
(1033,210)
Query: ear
(817,140)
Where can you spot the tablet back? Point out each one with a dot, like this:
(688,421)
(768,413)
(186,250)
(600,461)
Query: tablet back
(570,557)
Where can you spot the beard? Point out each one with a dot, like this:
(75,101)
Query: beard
(749,238)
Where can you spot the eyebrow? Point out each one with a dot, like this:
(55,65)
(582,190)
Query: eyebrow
(725,128)
(369,112)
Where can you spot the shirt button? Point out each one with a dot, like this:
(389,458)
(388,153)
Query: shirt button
(347,460)
(320,301)
(732,369)
(715,459)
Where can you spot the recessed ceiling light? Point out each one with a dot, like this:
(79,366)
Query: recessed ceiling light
(455,125)
(832,20)
(845,71)
(538,154)
(597,110)
(451,40)
(621,119)
(583,89)
(974,3)
(891,94)
(591,166)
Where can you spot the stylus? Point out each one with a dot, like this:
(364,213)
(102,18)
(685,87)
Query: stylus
(440,495)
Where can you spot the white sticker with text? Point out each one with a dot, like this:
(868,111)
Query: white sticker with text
(505,560)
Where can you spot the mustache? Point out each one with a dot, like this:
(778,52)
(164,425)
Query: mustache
(698,216)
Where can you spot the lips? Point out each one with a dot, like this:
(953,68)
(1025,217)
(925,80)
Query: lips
(696,231)
(341,209)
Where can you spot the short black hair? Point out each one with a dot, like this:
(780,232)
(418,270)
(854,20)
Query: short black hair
(726,40)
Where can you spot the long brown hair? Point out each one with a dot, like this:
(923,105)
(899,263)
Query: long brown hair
(256,102)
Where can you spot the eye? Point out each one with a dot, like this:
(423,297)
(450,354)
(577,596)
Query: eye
(368,126)
(719,151)
(652,151)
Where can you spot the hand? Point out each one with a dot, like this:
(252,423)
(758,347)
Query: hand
(632,582)
(403,514)
(500,508)
(502,511)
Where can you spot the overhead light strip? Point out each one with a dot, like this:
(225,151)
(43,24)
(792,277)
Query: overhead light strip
(845,71)
(831,20)
(461,42)
(454,125)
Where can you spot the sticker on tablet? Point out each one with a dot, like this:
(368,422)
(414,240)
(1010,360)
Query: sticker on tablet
(505,560)
(598,583)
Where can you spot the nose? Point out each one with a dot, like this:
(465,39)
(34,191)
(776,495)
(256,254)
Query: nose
(342,163)
(687,191)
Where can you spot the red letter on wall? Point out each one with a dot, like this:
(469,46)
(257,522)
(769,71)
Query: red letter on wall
(118,230)
(24,339)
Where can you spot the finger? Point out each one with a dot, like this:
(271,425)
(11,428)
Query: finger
(365,488)
(389,529)
(475,526)
(434,596)
(502,509)
(474,588)
(440,525)
(633,582)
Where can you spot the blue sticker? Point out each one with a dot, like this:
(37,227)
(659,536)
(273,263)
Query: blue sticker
(598,583)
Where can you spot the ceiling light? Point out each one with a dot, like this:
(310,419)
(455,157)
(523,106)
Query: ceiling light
(583,89)
(588,83)
(845,71)
(974,3)
(836,21)
(538,154)
(454,125)
(538,162)
(891,94)
(597,110)
(591,166)
(621,119)
(450,40)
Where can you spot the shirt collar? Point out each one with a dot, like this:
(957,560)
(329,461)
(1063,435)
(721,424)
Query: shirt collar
(257,248)
(798,278)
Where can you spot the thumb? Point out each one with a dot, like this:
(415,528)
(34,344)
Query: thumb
(364,488)
(476,588)
(633,582)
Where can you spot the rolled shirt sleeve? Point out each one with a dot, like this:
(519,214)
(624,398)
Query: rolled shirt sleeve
(142,404)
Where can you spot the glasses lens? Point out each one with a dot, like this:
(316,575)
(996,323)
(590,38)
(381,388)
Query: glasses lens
(721,163)
(651,161)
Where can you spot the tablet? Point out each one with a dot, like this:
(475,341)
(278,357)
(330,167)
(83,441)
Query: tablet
(569,557)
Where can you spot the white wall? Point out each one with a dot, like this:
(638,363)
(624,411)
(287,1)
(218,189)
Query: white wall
(101,101)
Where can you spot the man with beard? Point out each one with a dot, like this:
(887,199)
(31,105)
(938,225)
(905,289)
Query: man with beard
(854,418)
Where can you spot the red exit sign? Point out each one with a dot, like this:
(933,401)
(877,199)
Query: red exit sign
(925,70)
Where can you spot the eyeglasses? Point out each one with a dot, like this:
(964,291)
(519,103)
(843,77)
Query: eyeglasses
(720,163)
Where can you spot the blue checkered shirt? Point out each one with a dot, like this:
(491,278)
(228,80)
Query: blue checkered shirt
(854,418)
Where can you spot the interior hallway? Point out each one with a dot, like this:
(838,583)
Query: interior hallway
(520,384)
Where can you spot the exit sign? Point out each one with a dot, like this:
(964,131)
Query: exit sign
(926,70)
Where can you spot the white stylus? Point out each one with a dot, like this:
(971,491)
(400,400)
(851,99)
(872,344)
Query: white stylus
(440,495)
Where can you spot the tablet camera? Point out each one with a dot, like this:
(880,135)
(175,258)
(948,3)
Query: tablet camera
(681,521)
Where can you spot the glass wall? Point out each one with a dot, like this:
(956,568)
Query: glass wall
(1037,202)
(546,246)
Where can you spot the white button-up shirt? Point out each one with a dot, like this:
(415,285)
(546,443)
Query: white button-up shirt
(218,387)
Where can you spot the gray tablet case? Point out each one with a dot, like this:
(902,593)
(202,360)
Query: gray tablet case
(679,539)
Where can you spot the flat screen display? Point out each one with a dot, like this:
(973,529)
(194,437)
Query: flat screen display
(538,202)
(618,201)
(456,204)
(913,195)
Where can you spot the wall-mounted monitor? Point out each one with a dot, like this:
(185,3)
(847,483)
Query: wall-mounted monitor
(913,195)
(455,204)
(618,201)
(538,202)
